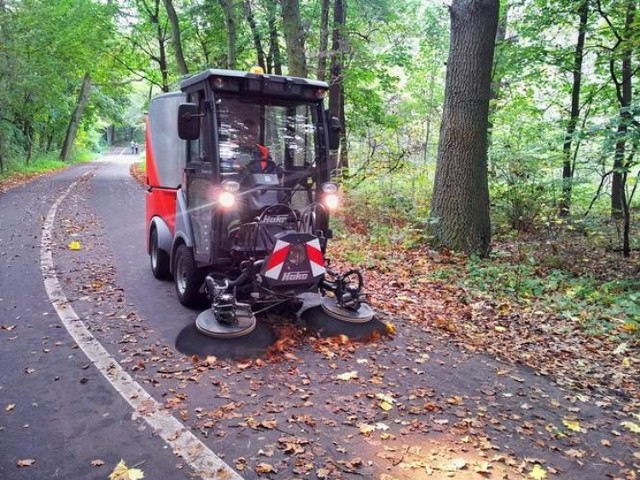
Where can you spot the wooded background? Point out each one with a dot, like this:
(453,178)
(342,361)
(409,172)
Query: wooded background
(562,130)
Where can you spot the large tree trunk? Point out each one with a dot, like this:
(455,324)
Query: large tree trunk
(624,92)
(275,57)
(230,21)
(321,73)
(460,204)
(336,87)
(177,41)
(257,41)
(578,56)
(76,117)
(294,38)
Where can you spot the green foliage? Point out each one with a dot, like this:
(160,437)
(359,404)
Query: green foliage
(390,210)
(603,307)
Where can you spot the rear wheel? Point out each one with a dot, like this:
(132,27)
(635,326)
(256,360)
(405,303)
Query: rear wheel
(159,258)
(188,278)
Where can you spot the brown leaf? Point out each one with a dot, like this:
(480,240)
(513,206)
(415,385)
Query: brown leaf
(265,468)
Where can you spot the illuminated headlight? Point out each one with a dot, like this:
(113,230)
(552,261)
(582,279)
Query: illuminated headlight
(329,187)
(331,200)
(227,199)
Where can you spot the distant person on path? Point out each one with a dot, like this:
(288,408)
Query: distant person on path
(133,147)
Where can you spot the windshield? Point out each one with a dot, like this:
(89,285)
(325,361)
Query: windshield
(266,136)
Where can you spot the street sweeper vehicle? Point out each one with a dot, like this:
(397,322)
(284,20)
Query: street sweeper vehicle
(239,197)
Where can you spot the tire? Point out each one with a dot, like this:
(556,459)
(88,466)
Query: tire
(159,258)
(188,279)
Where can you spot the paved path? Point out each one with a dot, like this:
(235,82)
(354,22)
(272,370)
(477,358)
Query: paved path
(407,408)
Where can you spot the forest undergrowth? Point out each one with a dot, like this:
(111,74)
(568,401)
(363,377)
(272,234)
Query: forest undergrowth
(560,298)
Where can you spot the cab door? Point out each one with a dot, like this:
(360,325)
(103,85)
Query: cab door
(199,177)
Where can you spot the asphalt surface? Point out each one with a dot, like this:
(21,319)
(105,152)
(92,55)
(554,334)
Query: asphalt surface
(407,407)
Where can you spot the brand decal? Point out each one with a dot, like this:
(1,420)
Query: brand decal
(294,276)
(275,219)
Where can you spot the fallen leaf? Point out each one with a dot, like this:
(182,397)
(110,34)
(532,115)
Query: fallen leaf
(10,407)
(122,472)
(386,406)
(538,473)
(631,426)
(353,375)
(75,245)
(366,429)
(265,468)
(573,425)
(97,462)
(25,462)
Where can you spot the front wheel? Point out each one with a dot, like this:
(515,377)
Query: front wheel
(188,278)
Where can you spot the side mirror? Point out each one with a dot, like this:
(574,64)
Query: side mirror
(334,132)
(188,121)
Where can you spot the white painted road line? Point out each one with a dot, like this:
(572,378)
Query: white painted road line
(196,454)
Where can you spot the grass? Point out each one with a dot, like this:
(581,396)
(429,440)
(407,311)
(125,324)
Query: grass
(17,171)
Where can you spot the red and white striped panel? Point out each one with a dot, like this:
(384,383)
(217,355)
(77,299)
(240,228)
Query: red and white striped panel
(316,259)
(276,260)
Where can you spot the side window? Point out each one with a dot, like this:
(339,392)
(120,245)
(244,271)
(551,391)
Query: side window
(196,147)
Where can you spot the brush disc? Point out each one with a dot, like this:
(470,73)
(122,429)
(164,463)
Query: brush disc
(207,324)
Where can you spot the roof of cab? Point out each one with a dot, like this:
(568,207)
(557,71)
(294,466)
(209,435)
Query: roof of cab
(213,72)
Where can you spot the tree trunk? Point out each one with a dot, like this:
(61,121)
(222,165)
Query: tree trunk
(230,21)
(275,57)
(336,93)
(321,73)
(294,38)
(460,203)
(76,117)
(625,92)
(177,41)
(496,77)
(567,164)
(257,41)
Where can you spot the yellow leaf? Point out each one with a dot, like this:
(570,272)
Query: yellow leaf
(632,427)
(499,328)
(573,425)
(75,245)
(386,406)
(366,429)
(538,473)
(390,328)
(353,375)
(122,472)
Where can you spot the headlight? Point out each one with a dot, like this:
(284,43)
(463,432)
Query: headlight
(332,201)
(230,186)
(329,187)
(227,199)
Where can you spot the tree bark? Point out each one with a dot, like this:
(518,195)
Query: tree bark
(76,117)
(336,87)
(294,38)
(230,21)
(177,41)
(321,73)
(625,93)
(460,203)
(275,57)
(567,164)
(257,41)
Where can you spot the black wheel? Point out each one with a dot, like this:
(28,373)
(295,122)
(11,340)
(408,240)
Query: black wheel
(159,258)
(188,278)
